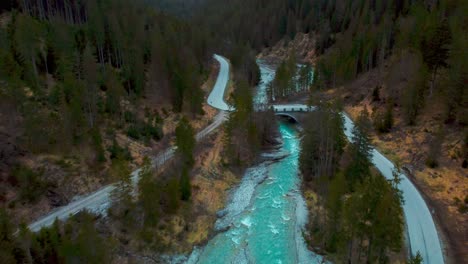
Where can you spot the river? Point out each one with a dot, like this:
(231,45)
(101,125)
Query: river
(265,215)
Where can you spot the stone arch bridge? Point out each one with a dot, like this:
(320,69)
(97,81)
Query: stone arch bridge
(294,112)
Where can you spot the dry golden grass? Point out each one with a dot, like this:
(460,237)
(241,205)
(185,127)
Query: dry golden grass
(209,193)
(409,145)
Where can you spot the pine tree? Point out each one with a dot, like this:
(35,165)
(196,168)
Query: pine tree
(172,195)
(90,71)
(92,247)
(148,194)
(361,151)
(416,259)
(323,143)
(28,37)
(122,195)
(185,141)
(185,185)
(7,242)
(435,51)
(435,147)
(334,206)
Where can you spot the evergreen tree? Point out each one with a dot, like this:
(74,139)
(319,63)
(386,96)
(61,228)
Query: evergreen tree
(28,37)
(7,242)
(416,259)
(435,50)
(334,205)
(185,185)
(383,121)
(185,141)
(435,147)
(323,143)
(90,71)
(172,195)
(122,196)
(361,151)
(148,194)
(86,246)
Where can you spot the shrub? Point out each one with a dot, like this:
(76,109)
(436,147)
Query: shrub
(31,186)
(154,132)
(117,151)
(129,117)
(134,132)
(435,147)
(383,121)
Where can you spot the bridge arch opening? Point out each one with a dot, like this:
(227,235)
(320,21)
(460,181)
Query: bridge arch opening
(288,117)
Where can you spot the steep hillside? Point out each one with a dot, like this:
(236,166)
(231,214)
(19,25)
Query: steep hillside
(81,90)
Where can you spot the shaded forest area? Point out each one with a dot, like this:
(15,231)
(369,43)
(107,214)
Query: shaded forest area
(432,33)
(356,214)
(354,37)
(77,75)
(74,77)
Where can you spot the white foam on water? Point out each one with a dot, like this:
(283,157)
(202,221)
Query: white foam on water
(276,201)
(273,229)
(247,221)
(281,187)
(236,240)
(241,197)
(262,197)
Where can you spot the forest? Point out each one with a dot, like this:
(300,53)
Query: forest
(74,75)
(77,76)
(355,202)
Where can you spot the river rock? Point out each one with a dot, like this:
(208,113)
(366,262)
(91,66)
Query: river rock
(221,213)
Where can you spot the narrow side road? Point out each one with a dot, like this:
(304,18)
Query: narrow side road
(99,201)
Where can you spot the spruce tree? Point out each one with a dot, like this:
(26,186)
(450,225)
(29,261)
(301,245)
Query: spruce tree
(148,194)
(185,185)
(361,151)
(185,141)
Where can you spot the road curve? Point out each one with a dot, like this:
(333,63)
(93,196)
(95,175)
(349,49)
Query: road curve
(99,200)
(216,97)
(422,232)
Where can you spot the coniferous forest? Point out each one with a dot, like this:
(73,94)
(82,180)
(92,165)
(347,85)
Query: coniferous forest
(95,93)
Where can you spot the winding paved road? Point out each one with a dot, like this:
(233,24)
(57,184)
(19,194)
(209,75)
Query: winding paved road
(216,97)
(99,201)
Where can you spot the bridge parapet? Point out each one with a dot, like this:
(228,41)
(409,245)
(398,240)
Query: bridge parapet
(292,108)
